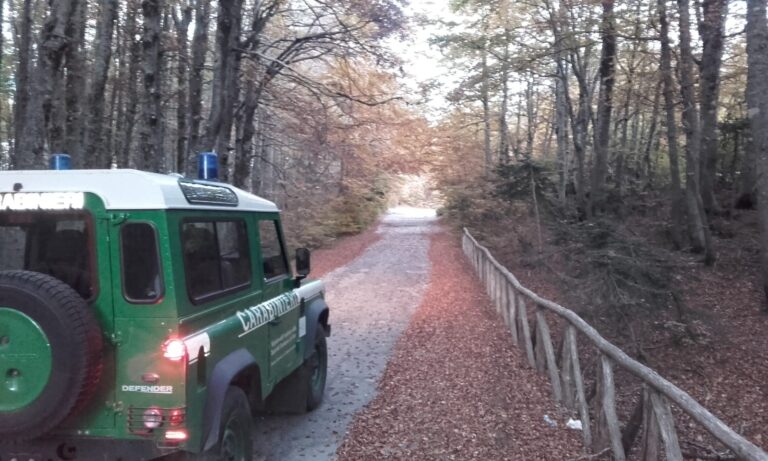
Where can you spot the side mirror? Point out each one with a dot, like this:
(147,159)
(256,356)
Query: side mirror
(302,263)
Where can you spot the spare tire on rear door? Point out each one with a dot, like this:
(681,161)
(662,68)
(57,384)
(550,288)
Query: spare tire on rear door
(50,353)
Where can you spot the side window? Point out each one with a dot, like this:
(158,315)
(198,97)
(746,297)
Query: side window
(271,250)
(142,283)
(216,257)
(235,255)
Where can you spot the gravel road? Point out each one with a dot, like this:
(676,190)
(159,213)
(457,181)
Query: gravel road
(371,300)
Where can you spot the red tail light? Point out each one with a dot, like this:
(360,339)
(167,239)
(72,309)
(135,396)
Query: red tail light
(174,349)
(176,417)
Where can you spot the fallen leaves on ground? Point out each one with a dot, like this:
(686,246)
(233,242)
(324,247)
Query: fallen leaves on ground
(456,387)
(722,360)
(342,251)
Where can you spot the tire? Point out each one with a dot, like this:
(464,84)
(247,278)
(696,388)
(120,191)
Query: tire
(50,354)
(234,442)
(316,371)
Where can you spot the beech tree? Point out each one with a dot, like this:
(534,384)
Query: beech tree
(226,80)
(94,151)
(698,228)
(39,122)
(604,105)
(677,197)
(757,101)
(23,28)
(152,127)
(199,46)
(616,115)
(711,29)
(182,18)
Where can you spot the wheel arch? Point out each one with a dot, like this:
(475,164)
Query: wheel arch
(240,369)
(317,313)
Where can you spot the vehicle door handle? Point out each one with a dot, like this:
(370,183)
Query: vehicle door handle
(274,322)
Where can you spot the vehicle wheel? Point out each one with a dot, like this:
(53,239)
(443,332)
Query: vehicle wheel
(235,442)
(316,371)
(50,353)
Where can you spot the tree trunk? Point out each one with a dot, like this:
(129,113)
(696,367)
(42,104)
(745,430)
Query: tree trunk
(485,99)
(676,192)
(580,125)
(97,152)
(505,62)
(622,154)
(532,114)
(75,85)
(757,103)
(747,198)
(2,6)
(133,47)
(561,127)
(151,154)
(647,167)
(199,47)
(604,107)
(51,52)
(698,229)
(182,23)
(503,124)
(711,31)
(245,132)
(225,88)
(518,128)
(735,157)
(114,110)
(22,95)
(562,103)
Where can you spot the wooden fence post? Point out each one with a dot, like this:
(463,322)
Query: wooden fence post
(649,441)
(658,422)
(666,427)
(487,274)
(566,372)
(504,300)
(490,279)
(512,308)
(498,291)
(538,344)
(526,332)
(607,406)
(549,353)
(578,381)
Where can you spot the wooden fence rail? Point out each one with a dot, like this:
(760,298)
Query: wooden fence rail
(658,434)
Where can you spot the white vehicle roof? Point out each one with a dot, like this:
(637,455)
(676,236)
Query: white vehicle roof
(130,189)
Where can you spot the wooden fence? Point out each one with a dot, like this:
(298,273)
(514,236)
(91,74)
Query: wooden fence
(658,434)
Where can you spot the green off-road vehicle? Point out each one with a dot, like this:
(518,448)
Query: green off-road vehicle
(144,314)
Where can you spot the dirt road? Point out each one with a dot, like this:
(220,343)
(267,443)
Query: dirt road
(371,299)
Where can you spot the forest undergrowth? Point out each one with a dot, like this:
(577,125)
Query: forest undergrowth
(700,327)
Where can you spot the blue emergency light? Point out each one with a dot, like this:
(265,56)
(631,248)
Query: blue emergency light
(61,161)
(208,166)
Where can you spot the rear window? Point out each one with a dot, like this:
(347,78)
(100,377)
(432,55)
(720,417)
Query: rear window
(59,244)
(216,257)
(142,282)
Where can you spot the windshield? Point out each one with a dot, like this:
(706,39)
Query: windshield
(53,243)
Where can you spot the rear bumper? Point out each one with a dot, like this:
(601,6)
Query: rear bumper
(82,449)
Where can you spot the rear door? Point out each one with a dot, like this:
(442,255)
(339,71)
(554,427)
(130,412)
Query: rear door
(144,318)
